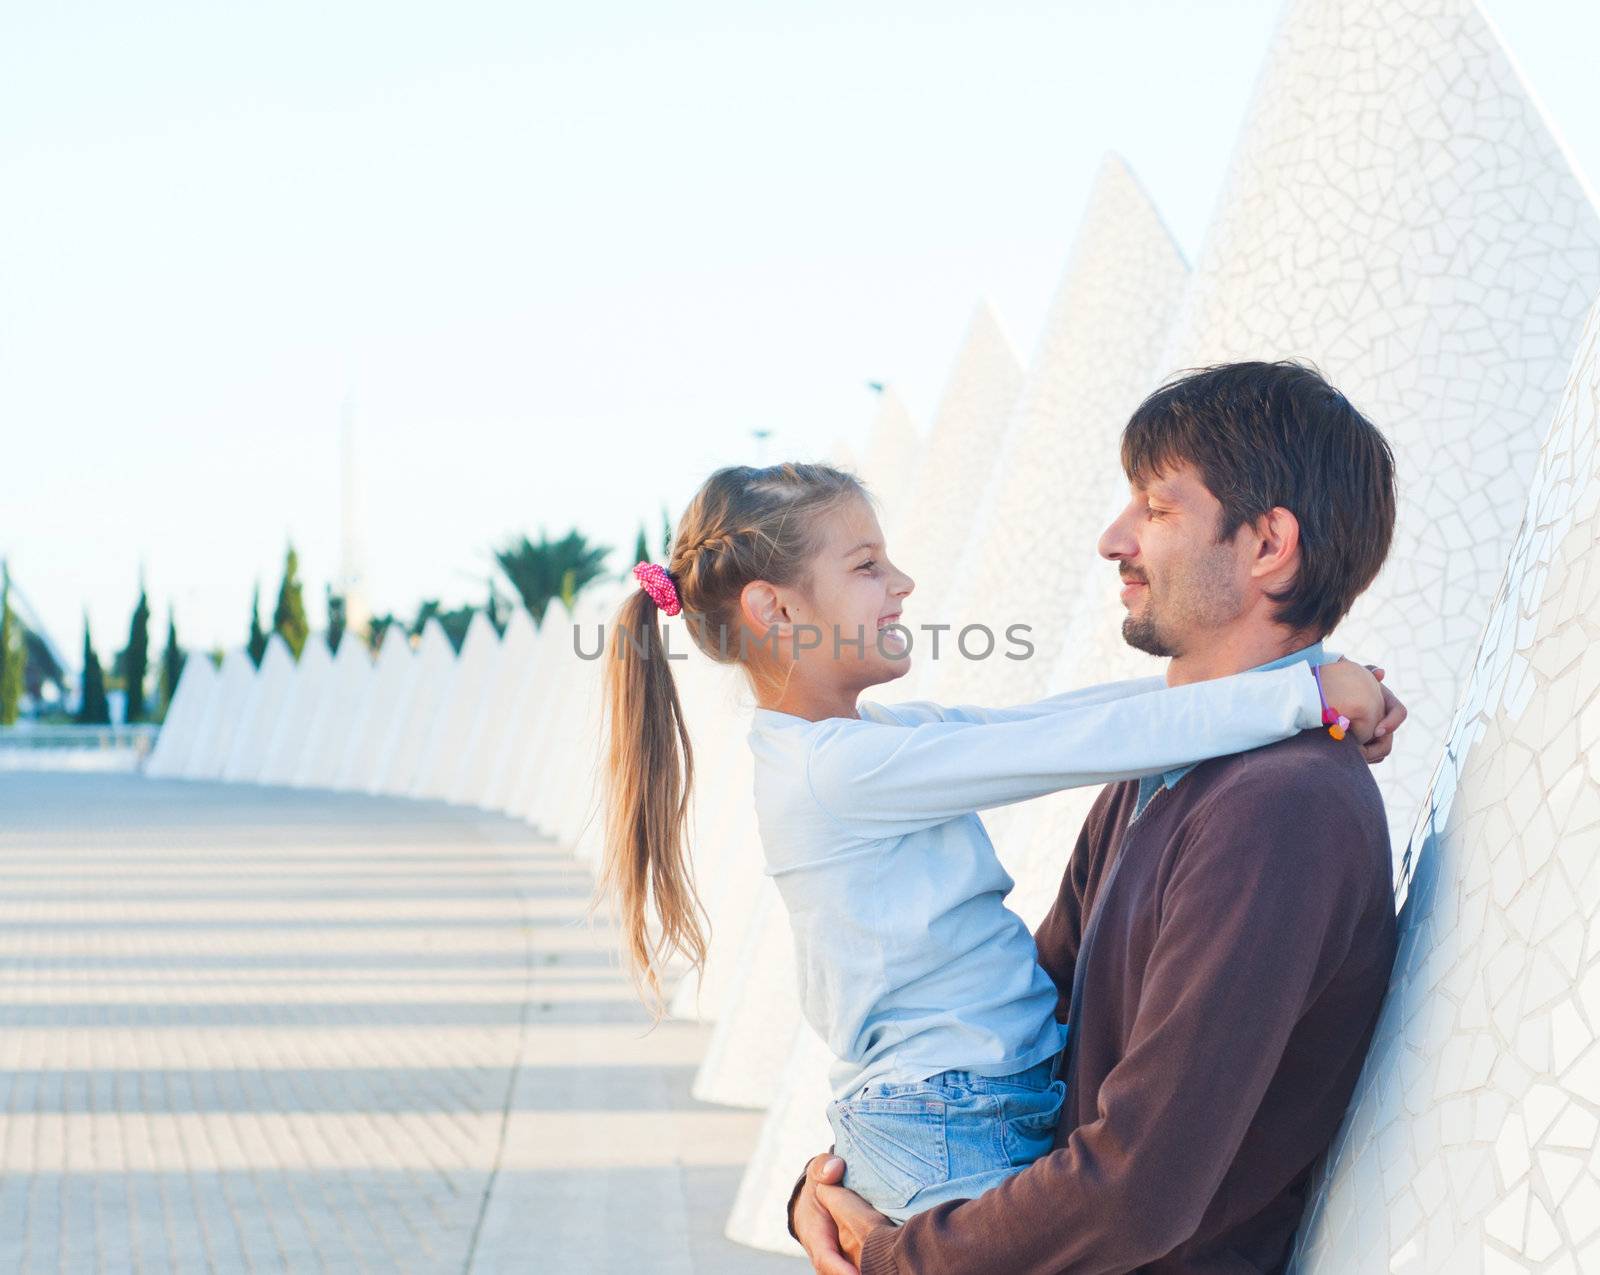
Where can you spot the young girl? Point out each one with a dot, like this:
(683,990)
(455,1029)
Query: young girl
(924,985)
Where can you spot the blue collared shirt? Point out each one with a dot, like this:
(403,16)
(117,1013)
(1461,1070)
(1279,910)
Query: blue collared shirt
(1150,785)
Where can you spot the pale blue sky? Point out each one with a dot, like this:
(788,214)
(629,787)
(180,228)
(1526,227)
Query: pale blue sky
(566,257)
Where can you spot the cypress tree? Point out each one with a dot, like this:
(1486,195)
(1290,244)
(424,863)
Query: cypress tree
(641,552)
(13,654)
(497,609)
(257,646)
(94,709)
(336,620)
(289,617)
(137,664)
(171,664)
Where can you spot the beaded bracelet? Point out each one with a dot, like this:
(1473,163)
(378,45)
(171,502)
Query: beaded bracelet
(1337,723)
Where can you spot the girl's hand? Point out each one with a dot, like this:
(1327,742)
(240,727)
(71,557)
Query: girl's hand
(1352,691)
(1394,712)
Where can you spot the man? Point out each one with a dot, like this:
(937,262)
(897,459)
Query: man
(1224,933)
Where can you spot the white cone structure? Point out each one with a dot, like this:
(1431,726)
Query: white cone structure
(196,684)
(333,724)
(717,705)
(214,735)
(1474,1140)
(385,698)
(891,453)
(953,466)
(1398,211)
(795,1130)
(748,1050)
(269,694)
(313,677)
(507,683)
(434,664)
(529,713)
(576,812)
(1058,468)
(557,782)
(447,740)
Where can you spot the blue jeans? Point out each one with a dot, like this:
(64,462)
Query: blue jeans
(951,1137)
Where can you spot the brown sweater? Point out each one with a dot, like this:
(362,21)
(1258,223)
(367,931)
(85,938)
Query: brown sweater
(1240,937)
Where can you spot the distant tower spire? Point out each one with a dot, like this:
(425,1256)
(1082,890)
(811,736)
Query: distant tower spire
(352,553)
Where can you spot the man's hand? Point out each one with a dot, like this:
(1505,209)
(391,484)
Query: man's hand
(814,1224)
(853,1219)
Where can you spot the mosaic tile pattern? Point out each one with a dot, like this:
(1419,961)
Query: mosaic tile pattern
(1471,1145)
(1398,211)
(891,455)
(927,532)
(1098,356)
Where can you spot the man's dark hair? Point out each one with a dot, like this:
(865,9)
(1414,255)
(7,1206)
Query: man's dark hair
(1268,434)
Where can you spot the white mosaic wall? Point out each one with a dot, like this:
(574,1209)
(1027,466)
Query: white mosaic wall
(1098,356)
(933,522)
(891,453)
(1471,1145)
(1398,211)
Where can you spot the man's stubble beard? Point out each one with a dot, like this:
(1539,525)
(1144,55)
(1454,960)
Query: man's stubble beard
(1205,599)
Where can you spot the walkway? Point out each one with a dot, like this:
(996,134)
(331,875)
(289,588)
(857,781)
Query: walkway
(262,1029)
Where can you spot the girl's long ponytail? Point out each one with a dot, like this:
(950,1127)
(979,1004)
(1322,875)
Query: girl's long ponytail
(649,775)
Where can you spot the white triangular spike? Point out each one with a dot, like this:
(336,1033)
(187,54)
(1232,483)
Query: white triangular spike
(196,685)
(270,692)
(529,714)
(1398,211)
(508,679)
(436,768)
(578,821)
(435,663)
(385,698)
(328,736)
(1042,512)
(841,455)
(312,678)
(796,1128)
(1494,1004)
(891,453)
(759,1009)
(213,738)
(927,532)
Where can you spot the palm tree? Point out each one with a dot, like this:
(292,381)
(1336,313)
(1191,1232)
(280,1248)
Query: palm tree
(551,568)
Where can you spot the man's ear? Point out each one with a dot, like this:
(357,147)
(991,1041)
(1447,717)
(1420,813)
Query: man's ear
(1277,547)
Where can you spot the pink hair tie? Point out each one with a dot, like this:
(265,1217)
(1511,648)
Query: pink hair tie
(658,584)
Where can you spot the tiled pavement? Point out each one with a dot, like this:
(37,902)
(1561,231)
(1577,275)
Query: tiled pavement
(264,1029)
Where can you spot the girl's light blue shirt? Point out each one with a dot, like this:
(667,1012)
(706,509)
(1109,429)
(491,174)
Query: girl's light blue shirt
(909,962)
